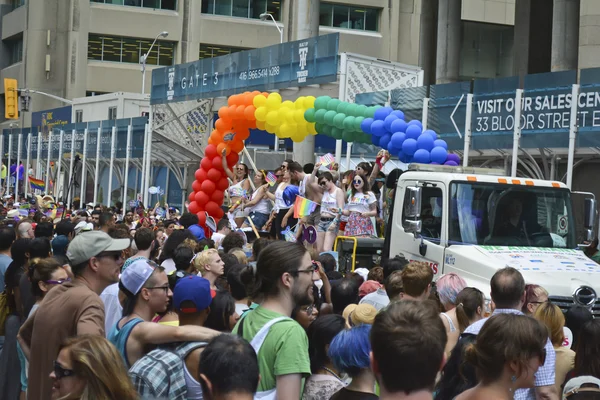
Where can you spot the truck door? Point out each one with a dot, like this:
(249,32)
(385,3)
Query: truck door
(429,244)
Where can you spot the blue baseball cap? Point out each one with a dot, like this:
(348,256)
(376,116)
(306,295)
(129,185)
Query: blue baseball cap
(192,288)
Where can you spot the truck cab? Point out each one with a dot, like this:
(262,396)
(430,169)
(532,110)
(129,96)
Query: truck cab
(474,221)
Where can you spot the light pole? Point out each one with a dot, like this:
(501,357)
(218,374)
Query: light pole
(163,34)
(265,16)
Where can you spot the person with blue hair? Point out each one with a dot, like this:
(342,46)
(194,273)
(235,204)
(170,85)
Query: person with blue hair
(349,351)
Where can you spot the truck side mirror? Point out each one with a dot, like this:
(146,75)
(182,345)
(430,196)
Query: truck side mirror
(411,226)
(413,202)
(589,219)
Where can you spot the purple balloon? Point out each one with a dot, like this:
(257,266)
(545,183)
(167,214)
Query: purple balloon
(398,125)
(416,122)
(413,131)
(398,114)
(378,128)
(384,140)
(382,113)
(398,139)
(365,125)
(440,143)
(388,122)
(451,163)
(454,157)
(409,147)
(439,155)
(432,133)
(425,142)
(422,156)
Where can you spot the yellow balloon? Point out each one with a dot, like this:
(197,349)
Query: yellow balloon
(309,102)
(285,131)
(287,104)
(273,101)
(261,125)
(270,128)
(261,113)
(311,128)
(273,118)
(297,137)
(299,103)
(259,101)
(299,116)
(289,117)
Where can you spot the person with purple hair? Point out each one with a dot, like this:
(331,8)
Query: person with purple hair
(448,287)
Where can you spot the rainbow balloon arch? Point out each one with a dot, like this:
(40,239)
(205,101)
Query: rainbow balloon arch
(381,126)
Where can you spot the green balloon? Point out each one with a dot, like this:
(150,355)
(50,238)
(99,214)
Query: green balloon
(361,109)
(309,115)
(321,102)
(337,133)
(338,120)
(370,113)
(348,136)
(320,115)
(329,115)
(351,109)
(364,138)
(319,127)
(357,122)
(333,104)
(341,108)
(349,124)
(325,130)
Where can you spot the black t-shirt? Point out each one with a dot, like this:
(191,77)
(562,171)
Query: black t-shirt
(345,394)
(27,298)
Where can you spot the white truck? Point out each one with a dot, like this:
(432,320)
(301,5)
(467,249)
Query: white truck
(474,221)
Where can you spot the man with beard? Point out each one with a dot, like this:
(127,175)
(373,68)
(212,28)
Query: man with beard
(283,280)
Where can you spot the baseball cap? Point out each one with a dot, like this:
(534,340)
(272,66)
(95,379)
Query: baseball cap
(136,274)
(59,245)
(192,288)
(89,244)
(576,385)
(368,287)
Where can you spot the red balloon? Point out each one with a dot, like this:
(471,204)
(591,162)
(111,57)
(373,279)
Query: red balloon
(232,159)
(206,164)
(214,174)
(201,218)
(208,187)
(194,207)
(219,215)
(212,208)
(223,184)
(196,186)
(201,199)
(217,196)
(202,176)
(210,151)
(192,196)
(217,163)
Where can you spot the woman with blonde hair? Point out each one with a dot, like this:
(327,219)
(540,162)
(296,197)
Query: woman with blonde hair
(90,367)
(554,319)
(534,296)
(210,267)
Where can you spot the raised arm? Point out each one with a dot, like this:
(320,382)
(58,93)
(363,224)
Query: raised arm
(152,333)
(229,172)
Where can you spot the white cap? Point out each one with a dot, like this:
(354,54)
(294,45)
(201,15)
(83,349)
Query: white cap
(136,275)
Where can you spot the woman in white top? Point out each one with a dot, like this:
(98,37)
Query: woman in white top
(241,185)
(332,204)
(281,207)
(259,207)
(361,206)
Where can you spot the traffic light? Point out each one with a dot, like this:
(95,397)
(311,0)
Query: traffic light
(11,99)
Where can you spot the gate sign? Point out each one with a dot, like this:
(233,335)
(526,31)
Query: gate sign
(292,64)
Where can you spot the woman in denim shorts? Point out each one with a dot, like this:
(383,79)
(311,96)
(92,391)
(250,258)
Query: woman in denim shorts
(331,205)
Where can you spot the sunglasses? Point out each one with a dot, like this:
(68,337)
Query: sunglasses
(116,255)
(313,268)
(279,176)
(357,181)
(58,282)
(165,288)
(323,183)
(61,372)
(240,169)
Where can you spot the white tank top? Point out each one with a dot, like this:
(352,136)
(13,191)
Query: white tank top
(302,185)
(262,206)
(237,189)
(194,390)
(329,201)
(279,203)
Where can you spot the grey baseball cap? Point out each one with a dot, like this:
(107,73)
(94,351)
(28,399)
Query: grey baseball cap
(89,244)
(581,384)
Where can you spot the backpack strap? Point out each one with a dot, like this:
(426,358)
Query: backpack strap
(260,337)
(183,350)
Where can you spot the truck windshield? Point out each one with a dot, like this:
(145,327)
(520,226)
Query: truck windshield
(506,215)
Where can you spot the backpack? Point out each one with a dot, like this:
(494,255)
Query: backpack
(4,311)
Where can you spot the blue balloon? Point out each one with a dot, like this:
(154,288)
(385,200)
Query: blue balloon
(440,143)
(398,125)
(425,141)
(439,155)
(365,126)
(398,114)
(388,122)
(375,140)
(398,139)
(401,156)
(416,122)
(422,156)
(454,157)
(289,194)
(432,133)
(378,128)
(392,149)
(451,163)
(381,113)
(409,146)
(413,131)
(384,140)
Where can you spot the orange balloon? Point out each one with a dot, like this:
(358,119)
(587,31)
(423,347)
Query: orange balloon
(236,146)
(243,135)
(223,124)
(231,112)
(223,146)
(216,136)
(251,124)
(239,112)
(249,98)
(249,113)
(223,112)
(260,125)
(212,141)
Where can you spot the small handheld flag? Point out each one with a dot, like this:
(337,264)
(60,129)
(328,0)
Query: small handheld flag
(327,159)
(303,207)
(37,184)
(289,235)
(271,178)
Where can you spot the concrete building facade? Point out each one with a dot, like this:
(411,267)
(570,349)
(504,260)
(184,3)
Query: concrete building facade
(74,48)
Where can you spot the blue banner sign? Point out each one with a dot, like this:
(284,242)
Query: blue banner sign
(292,64)
(49,119)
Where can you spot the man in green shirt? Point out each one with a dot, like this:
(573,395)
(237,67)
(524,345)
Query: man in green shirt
(284,278)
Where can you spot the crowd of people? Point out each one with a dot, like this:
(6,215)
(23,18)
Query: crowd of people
(157,306)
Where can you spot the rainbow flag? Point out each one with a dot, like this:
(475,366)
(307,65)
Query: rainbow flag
(327,159)
(37,184)
(271,178)
(303,207)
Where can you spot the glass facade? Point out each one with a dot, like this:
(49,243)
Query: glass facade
(211,50)
(129,50)
(15,51)
(486,51)
(349,17)
(156,4)
(242,8)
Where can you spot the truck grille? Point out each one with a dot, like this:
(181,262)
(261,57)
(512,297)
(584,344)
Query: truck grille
(564,303)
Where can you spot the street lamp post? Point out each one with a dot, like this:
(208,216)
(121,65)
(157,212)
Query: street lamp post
(265,16)
(163,34)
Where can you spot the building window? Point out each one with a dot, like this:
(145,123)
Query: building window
(242,8)
(209,50)
(112,112)
(78,116)
(155,4)
(90,94)
(17,3)
(15,50)
(129,50)
(487,51)
(349,17)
